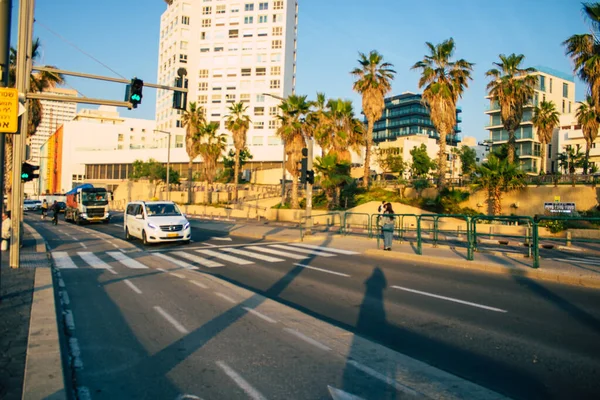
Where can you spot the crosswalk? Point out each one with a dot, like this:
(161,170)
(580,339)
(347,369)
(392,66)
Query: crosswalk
(196,258)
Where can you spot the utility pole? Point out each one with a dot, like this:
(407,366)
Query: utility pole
(168,161)
(309,185)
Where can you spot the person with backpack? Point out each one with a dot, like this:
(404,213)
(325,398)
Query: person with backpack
(387,224)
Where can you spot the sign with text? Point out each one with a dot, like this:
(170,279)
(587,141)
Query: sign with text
(558,207)
(9,110)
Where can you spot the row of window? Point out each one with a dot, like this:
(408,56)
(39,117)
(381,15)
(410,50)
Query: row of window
(273,84)
(232,72)
(542,86)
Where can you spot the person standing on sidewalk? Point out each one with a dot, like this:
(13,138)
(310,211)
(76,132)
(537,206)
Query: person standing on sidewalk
(387,223)
(6,230)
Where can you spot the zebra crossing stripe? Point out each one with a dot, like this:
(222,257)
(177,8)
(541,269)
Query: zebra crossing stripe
(313,247)
(93,260)
(198,260)
(305,251)
(128,262)
(62,260)
(225,257)
(251,255)
(277,253)
(175,261)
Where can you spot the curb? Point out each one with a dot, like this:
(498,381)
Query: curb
(493,268)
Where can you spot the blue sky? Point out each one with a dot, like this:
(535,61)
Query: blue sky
(124,35)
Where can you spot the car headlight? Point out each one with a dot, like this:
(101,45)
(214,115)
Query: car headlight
(187,225)
(83,215)
(151,226)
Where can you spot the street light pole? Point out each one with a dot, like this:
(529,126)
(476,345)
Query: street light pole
(168,162)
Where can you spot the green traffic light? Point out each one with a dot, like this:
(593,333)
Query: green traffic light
(136,97)
(24,175)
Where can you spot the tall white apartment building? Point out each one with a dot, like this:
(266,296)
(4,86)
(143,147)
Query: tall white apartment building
(232,51)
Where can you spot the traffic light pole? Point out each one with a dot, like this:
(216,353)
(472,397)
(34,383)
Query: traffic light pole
(309,186)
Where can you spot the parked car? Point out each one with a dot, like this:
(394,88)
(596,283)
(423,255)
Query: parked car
(156,221)
(62,206)
(32,205)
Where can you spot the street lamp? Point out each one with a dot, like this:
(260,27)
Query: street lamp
(168,162)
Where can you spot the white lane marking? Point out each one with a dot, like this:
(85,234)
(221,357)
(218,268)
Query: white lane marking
(468,303)
(260,315)
(198,260)
(305,251)
(322,270)
(225,257)
(177,275)
(252,255)
(83,393)
(75,353)
(175,261)
(277,253)
(241,382)
(128,262)
(69,320)
(61,283)
(132,286)
(312,246)
(307,339)
(64,297)
(93,260)
(83,245)
(180,328)
(578,260)
(201,285)
(162,270)
(112,271)
(377,375)
(62,260)
(225,239)
(61,231)
(229,299)
(114,245)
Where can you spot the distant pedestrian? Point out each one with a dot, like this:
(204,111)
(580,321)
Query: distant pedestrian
(387,224)
(381,207)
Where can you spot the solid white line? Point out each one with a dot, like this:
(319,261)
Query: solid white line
(468,303)
(83,245)
(225,257)
(62,260)
(112,271)
(397,385)
(241,382)
(312,246)
(199,260)
(177,275)
(277,253)
(114,245)
(322,270)
(229,299)
(132,286)
(175,261)
(307,339)
(201,285)
(93,260)
(128,262)
(305,251)
(252,255)
(172,320)
(260,315)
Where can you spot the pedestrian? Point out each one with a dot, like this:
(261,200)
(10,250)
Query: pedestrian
(6,230)
(380,208)
(44,209)
(387,222)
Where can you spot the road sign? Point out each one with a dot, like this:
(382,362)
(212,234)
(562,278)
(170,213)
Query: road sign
(557,199)
(9,109)
(557,207)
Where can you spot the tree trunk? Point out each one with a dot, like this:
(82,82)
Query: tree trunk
(511,147)
(368,142)
(586,161)
(442,162)
(236,174)
(294,202)
(190,165)
(338,196)
(497,201)
(543,154)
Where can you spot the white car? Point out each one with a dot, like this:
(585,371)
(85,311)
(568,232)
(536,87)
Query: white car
(32,205)
(156,221)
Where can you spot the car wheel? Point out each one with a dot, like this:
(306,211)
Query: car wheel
(127,235)
(144,238)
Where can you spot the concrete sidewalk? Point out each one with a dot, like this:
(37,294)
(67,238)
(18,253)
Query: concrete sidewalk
(570,270)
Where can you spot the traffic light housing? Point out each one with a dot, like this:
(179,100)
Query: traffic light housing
(28,172)
(310,176)
(304,166)
(180,98)
(135,92)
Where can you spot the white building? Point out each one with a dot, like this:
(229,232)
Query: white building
(232,51)
(569,134)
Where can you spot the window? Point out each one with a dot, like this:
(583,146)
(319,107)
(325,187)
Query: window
(563,106)
(206,10)
(569,107)
(234,9)
(203,36)
(248,34)
(248,20)
(278,5)
(249,7)
(261,71)
(216,98)
(275,70)
(277,31)
(202,99)
(272,111)
(185,20)
(277,17)
(183,58)
(230,98)
(120,139)
(593,145)
(565,90)
(542,79)
(234,33)
(206,23)
(273,124)
(275,57)
(550,88)
(550,151)
(204,50)
(245,98)
(263,6)
(262,19)
(259,125)
(218,48)
(259,111)
(221,9)
(260,98)
(202,86)
(275,84)
(276,44)
(203,74)
(183,45)
(246,71)
(257,140)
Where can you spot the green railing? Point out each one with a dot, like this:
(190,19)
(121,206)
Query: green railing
(458,232)
(398,227)
(331,218)
(569,239)
(366,224)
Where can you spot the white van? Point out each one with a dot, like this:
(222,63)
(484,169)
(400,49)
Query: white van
(156,221)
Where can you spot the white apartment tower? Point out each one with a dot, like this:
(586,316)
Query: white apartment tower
(232,50)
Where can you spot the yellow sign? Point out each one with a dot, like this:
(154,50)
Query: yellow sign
(557,199)
(9,110)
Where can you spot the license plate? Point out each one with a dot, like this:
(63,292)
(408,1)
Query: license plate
(171,235)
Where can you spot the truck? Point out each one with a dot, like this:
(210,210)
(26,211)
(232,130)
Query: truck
(86,203)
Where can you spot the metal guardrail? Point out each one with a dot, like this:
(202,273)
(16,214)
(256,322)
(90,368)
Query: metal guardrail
(334,214)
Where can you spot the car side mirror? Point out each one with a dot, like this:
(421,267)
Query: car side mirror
(139,216)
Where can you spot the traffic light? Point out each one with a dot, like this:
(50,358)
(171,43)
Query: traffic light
(310,176)
(28,172)
(304,166)
(135,92)
(180,98)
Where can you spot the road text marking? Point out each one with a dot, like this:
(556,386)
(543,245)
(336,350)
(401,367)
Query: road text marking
(468,303)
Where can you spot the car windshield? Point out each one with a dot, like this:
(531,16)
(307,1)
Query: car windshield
(158,210)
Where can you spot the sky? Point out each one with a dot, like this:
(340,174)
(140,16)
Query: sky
(124,35)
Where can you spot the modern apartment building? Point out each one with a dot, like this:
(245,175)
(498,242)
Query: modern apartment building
(406,115)
(552,86)
(569,135)
(232,51)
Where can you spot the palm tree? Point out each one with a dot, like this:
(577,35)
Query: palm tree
(584,50)
(498,177)
(192,120)
(211,147)
(512,87)
(588,117)
(334,174)
(338,130)
(238,123)
(570,159)
(292,128)
(373,81)
(545,119)
(445,81)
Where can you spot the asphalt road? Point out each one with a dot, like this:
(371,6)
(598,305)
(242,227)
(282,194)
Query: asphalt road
(144,331)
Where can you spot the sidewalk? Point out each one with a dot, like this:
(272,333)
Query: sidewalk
(27,294)
(572,271)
